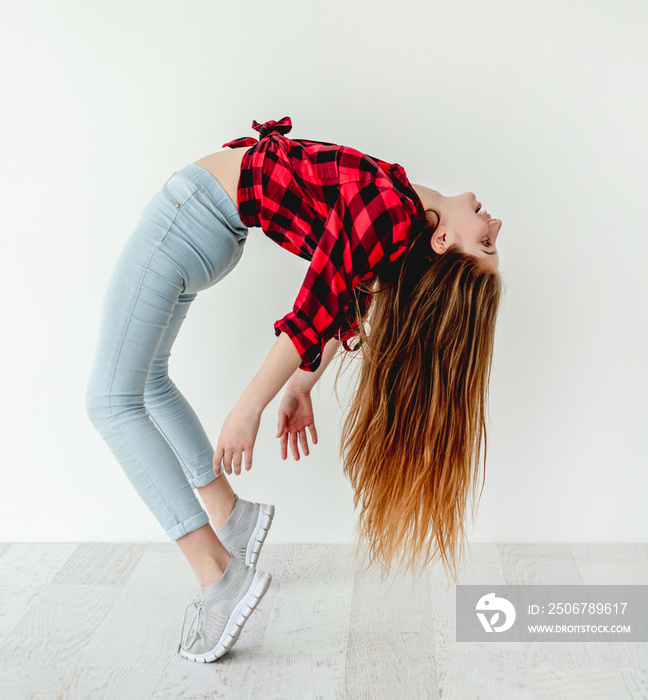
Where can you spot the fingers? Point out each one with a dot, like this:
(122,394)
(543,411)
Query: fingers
(293,445)
(233,461)
(217,460)
(303,441)
(295,438)
(227,462)
(292,437)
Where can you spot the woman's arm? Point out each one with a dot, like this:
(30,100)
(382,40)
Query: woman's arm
(241,426)
(239,431)
(302,381)
(279,366)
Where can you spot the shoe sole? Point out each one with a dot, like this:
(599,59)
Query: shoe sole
(266,514)
(239,616)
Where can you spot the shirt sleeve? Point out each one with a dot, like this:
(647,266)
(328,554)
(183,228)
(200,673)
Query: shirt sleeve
(368,227)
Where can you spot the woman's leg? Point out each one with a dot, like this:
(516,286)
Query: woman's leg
(177,421)
(179,424)
(179,246)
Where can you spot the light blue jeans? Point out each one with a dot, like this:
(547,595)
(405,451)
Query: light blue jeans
(189,237)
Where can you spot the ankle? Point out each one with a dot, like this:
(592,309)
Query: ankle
(224,514)
(211,570)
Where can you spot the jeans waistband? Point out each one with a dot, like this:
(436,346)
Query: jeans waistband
(215,190)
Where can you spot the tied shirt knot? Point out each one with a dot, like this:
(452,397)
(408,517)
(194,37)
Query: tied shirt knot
(283,126)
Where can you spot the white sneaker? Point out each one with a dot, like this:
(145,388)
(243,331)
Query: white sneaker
(221,611)
(245,531)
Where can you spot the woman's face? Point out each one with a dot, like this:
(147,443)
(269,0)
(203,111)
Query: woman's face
(464,222)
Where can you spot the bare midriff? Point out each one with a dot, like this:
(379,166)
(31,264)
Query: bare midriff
(225,166)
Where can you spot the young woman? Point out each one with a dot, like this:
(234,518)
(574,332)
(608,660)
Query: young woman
(419,268)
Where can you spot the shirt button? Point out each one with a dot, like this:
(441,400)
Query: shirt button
(177,205)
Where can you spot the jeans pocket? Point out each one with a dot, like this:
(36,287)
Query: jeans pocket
(178,189)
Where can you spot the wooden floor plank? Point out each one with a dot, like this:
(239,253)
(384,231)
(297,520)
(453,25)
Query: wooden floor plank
(489,670)
(105,683)
(59,625)
(143,625)
(616,564)
(600,564)
(25,569)
(538,564)
(309,616)
(578,684)
(101,563)
(240,676)
(552,564)
(30,681)
(391,649)
(636,680)
(300,562)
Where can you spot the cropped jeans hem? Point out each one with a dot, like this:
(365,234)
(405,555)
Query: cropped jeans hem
(205,478)
(193,523)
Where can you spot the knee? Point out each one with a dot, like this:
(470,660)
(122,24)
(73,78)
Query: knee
(157,382)
(97,405)
(105,408)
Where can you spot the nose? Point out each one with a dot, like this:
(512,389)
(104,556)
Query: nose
(494,226)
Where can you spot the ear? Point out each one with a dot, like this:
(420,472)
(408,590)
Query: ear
(439,240)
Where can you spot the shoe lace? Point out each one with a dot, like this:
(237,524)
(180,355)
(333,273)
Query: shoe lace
(196,623)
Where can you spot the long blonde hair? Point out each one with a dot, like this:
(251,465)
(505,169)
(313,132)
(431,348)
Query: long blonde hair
(412,438)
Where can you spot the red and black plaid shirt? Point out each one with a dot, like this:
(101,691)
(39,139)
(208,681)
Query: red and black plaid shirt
(347,213)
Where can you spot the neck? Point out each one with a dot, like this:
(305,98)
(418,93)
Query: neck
(429,198)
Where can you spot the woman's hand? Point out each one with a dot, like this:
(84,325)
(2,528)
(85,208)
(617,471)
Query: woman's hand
(237,436)
(295,415)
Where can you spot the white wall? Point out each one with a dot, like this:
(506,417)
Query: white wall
(539,108)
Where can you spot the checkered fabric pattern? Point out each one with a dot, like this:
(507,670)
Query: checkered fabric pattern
(346,212)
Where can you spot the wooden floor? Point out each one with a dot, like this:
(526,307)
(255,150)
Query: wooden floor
(103,621)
